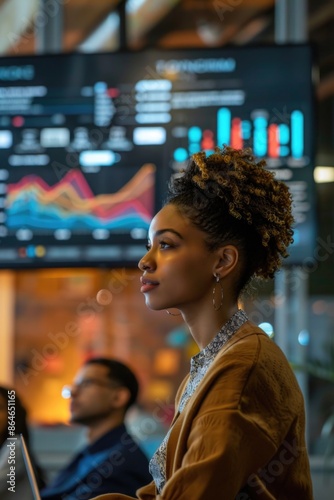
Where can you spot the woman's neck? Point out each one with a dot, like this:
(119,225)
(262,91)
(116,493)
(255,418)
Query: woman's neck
(204,326)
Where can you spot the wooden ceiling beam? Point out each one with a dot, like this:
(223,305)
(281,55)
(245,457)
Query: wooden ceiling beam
(81,17)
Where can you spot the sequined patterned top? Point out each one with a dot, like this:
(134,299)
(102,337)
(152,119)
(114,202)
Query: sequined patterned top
(200,364)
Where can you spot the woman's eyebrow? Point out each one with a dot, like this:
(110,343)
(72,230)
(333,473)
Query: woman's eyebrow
(161,231)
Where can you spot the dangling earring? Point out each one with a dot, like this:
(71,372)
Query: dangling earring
(216,308)
(172,314)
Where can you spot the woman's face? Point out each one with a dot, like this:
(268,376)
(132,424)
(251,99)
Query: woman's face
(178,267)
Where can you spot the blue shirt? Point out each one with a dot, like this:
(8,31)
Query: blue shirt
(113,464)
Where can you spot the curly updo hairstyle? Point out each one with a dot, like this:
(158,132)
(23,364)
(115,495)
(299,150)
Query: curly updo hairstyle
(234,200)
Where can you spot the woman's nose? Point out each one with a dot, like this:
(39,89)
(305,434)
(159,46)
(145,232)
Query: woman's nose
(145,263)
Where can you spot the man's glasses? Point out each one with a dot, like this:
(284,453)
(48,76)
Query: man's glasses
(84,384)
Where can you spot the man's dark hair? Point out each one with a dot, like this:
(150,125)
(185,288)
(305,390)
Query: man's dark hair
(120,373)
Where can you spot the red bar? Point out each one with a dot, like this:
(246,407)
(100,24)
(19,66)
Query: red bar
(236,135)
(208,142)
(273,146)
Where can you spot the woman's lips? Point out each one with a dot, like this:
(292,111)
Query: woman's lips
(147,285)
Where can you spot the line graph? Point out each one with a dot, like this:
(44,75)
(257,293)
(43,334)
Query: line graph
(71,203)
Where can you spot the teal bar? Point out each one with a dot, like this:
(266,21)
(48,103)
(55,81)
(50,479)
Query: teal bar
(223,126)
(297,134)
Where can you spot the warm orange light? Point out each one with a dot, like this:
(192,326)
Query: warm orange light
(159,390)
(166,362)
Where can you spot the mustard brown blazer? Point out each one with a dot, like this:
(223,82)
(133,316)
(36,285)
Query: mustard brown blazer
(241,435)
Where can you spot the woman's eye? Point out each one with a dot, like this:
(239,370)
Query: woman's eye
(148,246)
(164,244)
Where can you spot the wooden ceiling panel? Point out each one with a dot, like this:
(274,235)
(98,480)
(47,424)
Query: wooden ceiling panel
(202,23)
(86,15)
(185,23)
(81,17)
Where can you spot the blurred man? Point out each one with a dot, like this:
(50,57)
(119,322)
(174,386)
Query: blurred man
(112,462)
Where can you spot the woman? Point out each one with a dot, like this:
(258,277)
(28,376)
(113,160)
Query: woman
(14,416)
(238,431)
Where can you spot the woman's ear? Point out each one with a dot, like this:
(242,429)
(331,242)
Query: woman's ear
(228,258)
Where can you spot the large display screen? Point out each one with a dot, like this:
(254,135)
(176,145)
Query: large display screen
(88,142)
